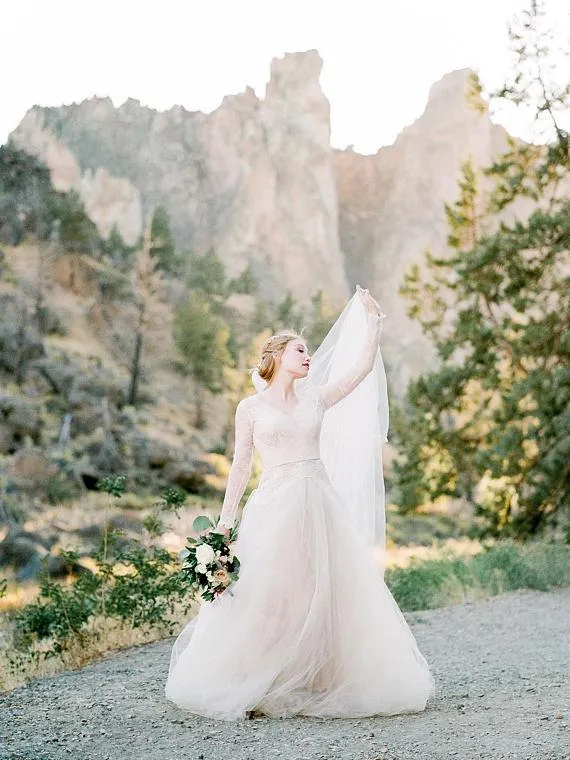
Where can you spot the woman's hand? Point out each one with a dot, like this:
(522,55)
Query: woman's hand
(370,303)
(221,529)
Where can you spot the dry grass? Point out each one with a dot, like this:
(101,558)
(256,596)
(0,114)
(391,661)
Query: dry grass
(401,556)
(17,595)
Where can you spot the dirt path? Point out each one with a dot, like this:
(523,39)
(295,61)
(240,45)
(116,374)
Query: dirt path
(499,669)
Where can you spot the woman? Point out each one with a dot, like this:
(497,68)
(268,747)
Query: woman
(309,627)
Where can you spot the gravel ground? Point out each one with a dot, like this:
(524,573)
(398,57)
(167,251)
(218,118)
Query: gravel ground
(500,666)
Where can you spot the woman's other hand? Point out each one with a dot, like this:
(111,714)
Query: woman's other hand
(370,303)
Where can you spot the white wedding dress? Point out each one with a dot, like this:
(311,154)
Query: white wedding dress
(310,627)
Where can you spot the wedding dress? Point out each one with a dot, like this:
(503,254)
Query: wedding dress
(309,627)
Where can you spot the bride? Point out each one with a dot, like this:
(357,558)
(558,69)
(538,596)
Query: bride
(309,627)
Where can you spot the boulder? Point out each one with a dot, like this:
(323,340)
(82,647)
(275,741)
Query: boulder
(190,475)
(29,554)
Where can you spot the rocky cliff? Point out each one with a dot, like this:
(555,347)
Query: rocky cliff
(257,180)
(253,179)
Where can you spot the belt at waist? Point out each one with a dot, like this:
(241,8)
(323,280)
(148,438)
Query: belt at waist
(271,467)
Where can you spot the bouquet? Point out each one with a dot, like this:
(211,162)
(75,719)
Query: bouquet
(209,562)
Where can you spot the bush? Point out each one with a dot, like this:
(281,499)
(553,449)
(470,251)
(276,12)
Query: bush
(139,586)
(60,489)
(505,566)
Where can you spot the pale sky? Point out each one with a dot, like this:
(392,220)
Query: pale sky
(380,56)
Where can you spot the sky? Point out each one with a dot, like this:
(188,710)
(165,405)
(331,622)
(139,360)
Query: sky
(380,56)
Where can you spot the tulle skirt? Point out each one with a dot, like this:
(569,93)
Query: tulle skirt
(309,628)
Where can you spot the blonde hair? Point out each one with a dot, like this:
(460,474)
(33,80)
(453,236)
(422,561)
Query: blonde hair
(271,348)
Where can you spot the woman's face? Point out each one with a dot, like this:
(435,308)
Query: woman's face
(295,358)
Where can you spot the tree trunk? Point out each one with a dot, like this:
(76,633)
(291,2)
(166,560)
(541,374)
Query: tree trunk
(21,362)
(199,421)
(135,367)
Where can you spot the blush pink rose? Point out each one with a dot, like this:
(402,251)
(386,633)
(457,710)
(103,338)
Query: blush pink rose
(221,576)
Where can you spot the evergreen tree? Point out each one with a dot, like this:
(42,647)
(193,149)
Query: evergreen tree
(491,424)
(120,254)
(201,337)
(147,285)
(207,274)
(163,249)
(246,282)
(288,314)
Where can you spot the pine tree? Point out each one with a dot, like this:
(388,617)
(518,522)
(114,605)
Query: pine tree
(163,250)
(491,424)
(201,337)
(147,285)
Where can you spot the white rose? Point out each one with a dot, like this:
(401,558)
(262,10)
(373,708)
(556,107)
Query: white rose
(201,568)
(204,554)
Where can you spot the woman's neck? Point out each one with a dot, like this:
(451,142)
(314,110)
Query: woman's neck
(282,388)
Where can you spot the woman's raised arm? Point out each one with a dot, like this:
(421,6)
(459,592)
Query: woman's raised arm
(335,390)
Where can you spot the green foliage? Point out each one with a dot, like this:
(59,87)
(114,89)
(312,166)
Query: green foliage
(321,320)
(202,522)
(59,612)
(174,498)
(138,585)
(162,248)
(491,424)
(506,566)
(59,489)
(201,338)
(288,314)
(29,204)
(120,254)
(149,592)
(246,282)
(114,485)
(74,230)
(25,185)
(113,285)
(142,588)
(207,274)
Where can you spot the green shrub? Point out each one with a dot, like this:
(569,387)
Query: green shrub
(60,489)
(506,566)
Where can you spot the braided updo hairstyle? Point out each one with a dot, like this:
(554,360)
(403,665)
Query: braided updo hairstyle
(271,348)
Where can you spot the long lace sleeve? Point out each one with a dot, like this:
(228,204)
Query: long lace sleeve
(240,470)
(335,390)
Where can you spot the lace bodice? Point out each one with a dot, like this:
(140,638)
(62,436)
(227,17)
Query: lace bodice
(281,437)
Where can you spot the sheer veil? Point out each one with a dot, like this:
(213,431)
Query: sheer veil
(355,428)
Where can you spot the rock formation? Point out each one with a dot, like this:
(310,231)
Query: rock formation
(254,179)
(257,180)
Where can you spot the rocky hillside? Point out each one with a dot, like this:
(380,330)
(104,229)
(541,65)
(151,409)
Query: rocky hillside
(257,181)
